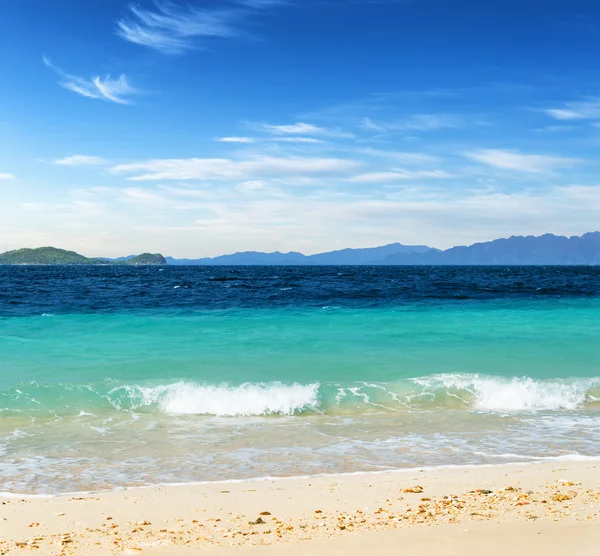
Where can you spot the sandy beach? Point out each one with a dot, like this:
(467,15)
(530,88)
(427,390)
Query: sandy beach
(522,509)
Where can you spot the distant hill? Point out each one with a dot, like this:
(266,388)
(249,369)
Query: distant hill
(370,255)
(117,259)
(45,255)
(246,258)
(145,259)
(517,250)
(54,256)
(373,255)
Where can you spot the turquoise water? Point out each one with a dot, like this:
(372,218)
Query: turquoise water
(538,339)
(95,400)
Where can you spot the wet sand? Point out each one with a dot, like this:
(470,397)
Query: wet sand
(513,509)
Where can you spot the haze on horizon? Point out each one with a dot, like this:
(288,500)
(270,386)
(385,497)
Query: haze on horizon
(201,128)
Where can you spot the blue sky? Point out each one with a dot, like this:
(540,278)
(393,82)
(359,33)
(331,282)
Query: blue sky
(196,128)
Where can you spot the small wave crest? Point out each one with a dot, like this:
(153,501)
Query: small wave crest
(185,398)
(491,393)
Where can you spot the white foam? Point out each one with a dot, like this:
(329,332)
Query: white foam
(517,394)
(185,398)
(466,391)
(566,458)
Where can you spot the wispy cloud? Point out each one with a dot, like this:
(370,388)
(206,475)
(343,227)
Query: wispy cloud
(514,160)
(223,168)
(370,125)
(173,27)
(301,128)
(6,176)
(250,140)
(554,129)
(402,156)
(579,110)
(429,122)
(307,140)
(294,128)
(101,88)
(235,140)
(416,122)
(377,177)
(81,160)
(252,185)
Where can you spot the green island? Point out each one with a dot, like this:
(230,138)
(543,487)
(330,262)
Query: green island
(54,256)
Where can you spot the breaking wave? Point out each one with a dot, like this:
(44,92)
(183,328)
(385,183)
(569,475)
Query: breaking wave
(224,401)
(472,392)
(488,393)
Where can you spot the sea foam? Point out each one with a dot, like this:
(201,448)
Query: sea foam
(186,398)
(491,393)
(449,391)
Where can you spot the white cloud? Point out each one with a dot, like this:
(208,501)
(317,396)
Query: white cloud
(513,160)
(376,177)
(235,140)
(554,129)
(201,220)
(252,185)
(301,128)
(579,110)
(564,114)
(249,140)
(101,88)
(6,176)
(402,156)
(143,195)
(370,125)
(321,222)
(307,140)
(429,122)
(294,128)
(81,160)
(417,122)
(174,27)
(223,169)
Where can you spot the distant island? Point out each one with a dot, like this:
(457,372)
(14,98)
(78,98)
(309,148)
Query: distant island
(54,256)
(547,249)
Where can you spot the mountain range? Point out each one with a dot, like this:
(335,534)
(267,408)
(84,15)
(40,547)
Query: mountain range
(548,249)
(371,255)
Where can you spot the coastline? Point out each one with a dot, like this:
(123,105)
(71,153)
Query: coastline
(552,507)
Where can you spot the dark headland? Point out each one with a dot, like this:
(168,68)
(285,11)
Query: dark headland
(54,256)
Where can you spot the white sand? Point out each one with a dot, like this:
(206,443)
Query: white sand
(531,509)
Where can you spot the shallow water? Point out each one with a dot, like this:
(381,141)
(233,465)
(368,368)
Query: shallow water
(118,377)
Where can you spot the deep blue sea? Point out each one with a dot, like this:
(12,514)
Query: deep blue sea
(122,376)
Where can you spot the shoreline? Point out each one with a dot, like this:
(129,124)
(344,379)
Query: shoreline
(320,514)
(569,458)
